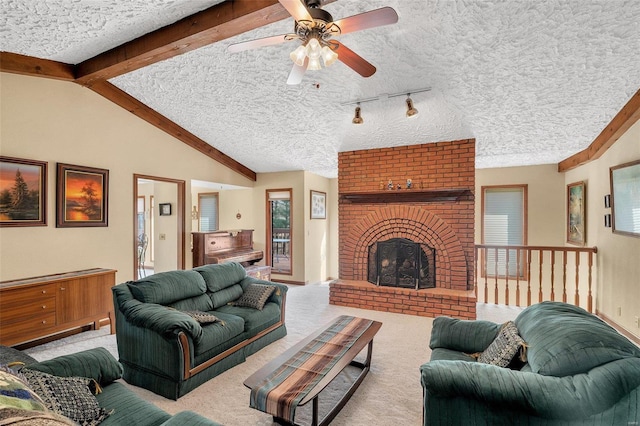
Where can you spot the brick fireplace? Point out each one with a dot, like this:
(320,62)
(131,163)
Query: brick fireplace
(437,211)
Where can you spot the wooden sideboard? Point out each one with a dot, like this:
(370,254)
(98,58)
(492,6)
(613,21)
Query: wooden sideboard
(37,307)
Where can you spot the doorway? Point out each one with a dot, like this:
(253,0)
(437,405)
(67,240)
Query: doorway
(279,237)
(159,233)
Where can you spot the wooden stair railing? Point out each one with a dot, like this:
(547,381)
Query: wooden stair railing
(495,267)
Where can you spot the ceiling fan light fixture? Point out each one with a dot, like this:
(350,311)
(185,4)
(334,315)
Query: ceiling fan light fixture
(313,49)
(328,56)
(298,55)
(314,64)
(411,111)
(357,119)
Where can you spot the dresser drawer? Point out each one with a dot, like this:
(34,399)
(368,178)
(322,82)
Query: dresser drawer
(18,295)
(27,329)
(11,313)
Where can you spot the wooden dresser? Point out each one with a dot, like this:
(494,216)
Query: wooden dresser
(33,308)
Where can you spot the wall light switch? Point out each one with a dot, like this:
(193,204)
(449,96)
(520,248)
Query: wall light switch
(164,237)
(619,311)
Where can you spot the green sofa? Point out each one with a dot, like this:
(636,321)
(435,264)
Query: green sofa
(127,407)
(579,371)
(165,350)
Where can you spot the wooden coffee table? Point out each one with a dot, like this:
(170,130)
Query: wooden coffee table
(340,356)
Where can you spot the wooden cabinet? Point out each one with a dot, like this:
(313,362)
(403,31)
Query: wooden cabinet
(259,272)
(36,307)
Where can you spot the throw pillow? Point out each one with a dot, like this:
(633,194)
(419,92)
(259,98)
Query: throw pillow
(255,296)
(504,347)
(15,392)
(70,396)
(202,317)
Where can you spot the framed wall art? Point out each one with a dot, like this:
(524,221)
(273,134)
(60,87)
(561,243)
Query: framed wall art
(82,195)
(576,220)
(625,198)
(165,209)
(318,205)
(23,192)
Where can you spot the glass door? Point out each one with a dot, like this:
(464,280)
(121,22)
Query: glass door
(279,231)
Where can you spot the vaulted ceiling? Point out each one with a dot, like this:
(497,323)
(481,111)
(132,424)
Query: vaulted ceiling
(534,82)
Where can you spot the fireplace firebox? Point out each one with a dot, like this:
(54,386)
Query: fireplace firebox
(400,262)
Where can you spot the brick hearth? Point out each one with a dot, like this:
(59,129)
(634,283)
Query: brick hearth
(369,213)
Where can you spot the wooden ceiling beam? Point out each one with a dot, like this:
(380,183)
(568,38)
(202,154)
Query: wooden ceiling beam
(151,116)
(626,118)
(216,23)
(15,63)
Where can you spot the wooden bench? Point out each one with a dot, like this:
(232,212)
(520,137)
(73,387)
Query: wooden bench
(303,371)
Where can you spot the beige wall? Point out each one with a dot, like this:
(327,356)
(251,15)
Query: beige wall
(56,121)
(317,233)
(618,255)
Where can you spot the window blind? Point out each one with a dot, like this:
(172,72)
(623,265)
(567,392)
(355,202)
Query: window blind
(208,212)
(503,224)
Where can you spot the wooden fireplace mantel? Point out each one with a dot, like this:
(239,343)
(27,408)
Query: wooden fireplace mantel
(407,195)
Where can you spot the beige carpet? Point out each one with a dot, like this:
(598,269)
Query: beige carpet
(390,394)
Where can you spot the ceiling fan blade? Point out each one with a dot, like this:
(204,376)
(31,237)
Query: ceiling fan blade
(261,42)
(296,9)
(371,19)
(295,76)
(354,61)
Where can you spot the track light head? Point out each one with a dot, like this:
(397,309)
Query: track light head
(411,111)
(357,119)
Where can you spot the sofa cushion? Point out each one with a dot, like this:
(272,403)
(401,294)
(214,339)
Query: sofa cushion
(168,287)
(221,275)
(201,302)
(69,396)
(444,354)
(564,340)
(218,333)
(129,408)
(254,319)
(504,347)
(224,296)
(255,296)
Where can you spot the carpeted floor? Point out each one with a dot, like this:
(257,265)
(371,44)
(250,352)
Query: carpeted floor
(390,394)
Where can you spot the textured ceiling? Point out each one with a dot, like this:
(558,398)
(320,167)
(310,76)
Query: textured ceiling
(533,81)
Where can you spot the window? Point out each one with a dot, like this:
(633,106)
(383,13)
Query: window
(279,252)
(504,222)
(208,208)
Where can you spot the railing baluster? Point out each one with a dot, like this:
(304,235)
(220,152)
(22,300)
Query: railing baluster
(564,276)
(528,277)
(590,297)
(517,277)
(486,274)
(577,301)
(475,272)
(495,292)
(553,264)
(541,260)
(506,279)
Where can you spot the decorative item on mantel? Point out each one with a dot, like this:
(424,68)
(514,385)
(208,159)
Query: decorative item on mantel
(390,184)
(408,183)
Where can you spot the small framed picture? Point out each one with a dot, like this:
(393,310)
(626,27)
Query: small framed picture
(165,209)
(318,205)
(576,220)
(82,196)
(607,220)
(607,201)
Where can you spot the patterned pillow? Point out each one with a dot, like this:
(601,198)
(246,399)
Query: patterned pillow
(255,296)
(504,347)
(70,396)
(202,317)
(15,392)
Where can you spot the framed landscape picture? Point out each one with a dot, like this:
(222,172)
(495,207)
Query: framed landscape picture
(625,198)
(82,196)
(576,220)
(318,205)
(23,192)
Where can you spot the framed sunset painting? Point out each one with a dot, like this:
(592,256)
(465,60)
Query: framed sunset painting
(82,196)
(23,192)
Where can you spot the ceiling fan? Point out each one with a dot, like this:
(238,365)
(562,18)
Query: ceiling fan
(315,28)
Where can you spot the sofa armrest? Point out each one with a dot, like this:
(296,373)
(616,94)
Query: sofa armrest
(569,398)
(160,319)
(189,418)
(97,363)
(462,335)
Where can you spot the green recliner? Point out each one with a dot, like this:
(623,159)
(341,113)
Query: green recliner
(579,371)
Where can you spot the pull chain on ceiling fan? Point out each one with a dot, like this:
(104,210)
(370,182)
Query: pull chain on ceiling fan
(315,28)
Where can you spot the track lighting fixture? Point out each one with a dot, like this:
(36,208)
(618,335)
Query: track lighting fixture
(411,111)
(357,119)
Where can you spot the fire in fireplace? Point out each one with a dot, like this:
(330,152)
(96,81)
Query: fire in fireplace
(400,262)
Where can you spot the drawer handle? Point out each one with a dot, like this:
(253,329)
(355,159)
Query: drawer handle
(44,321)
(44,306)
(44,291)
(62,288)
